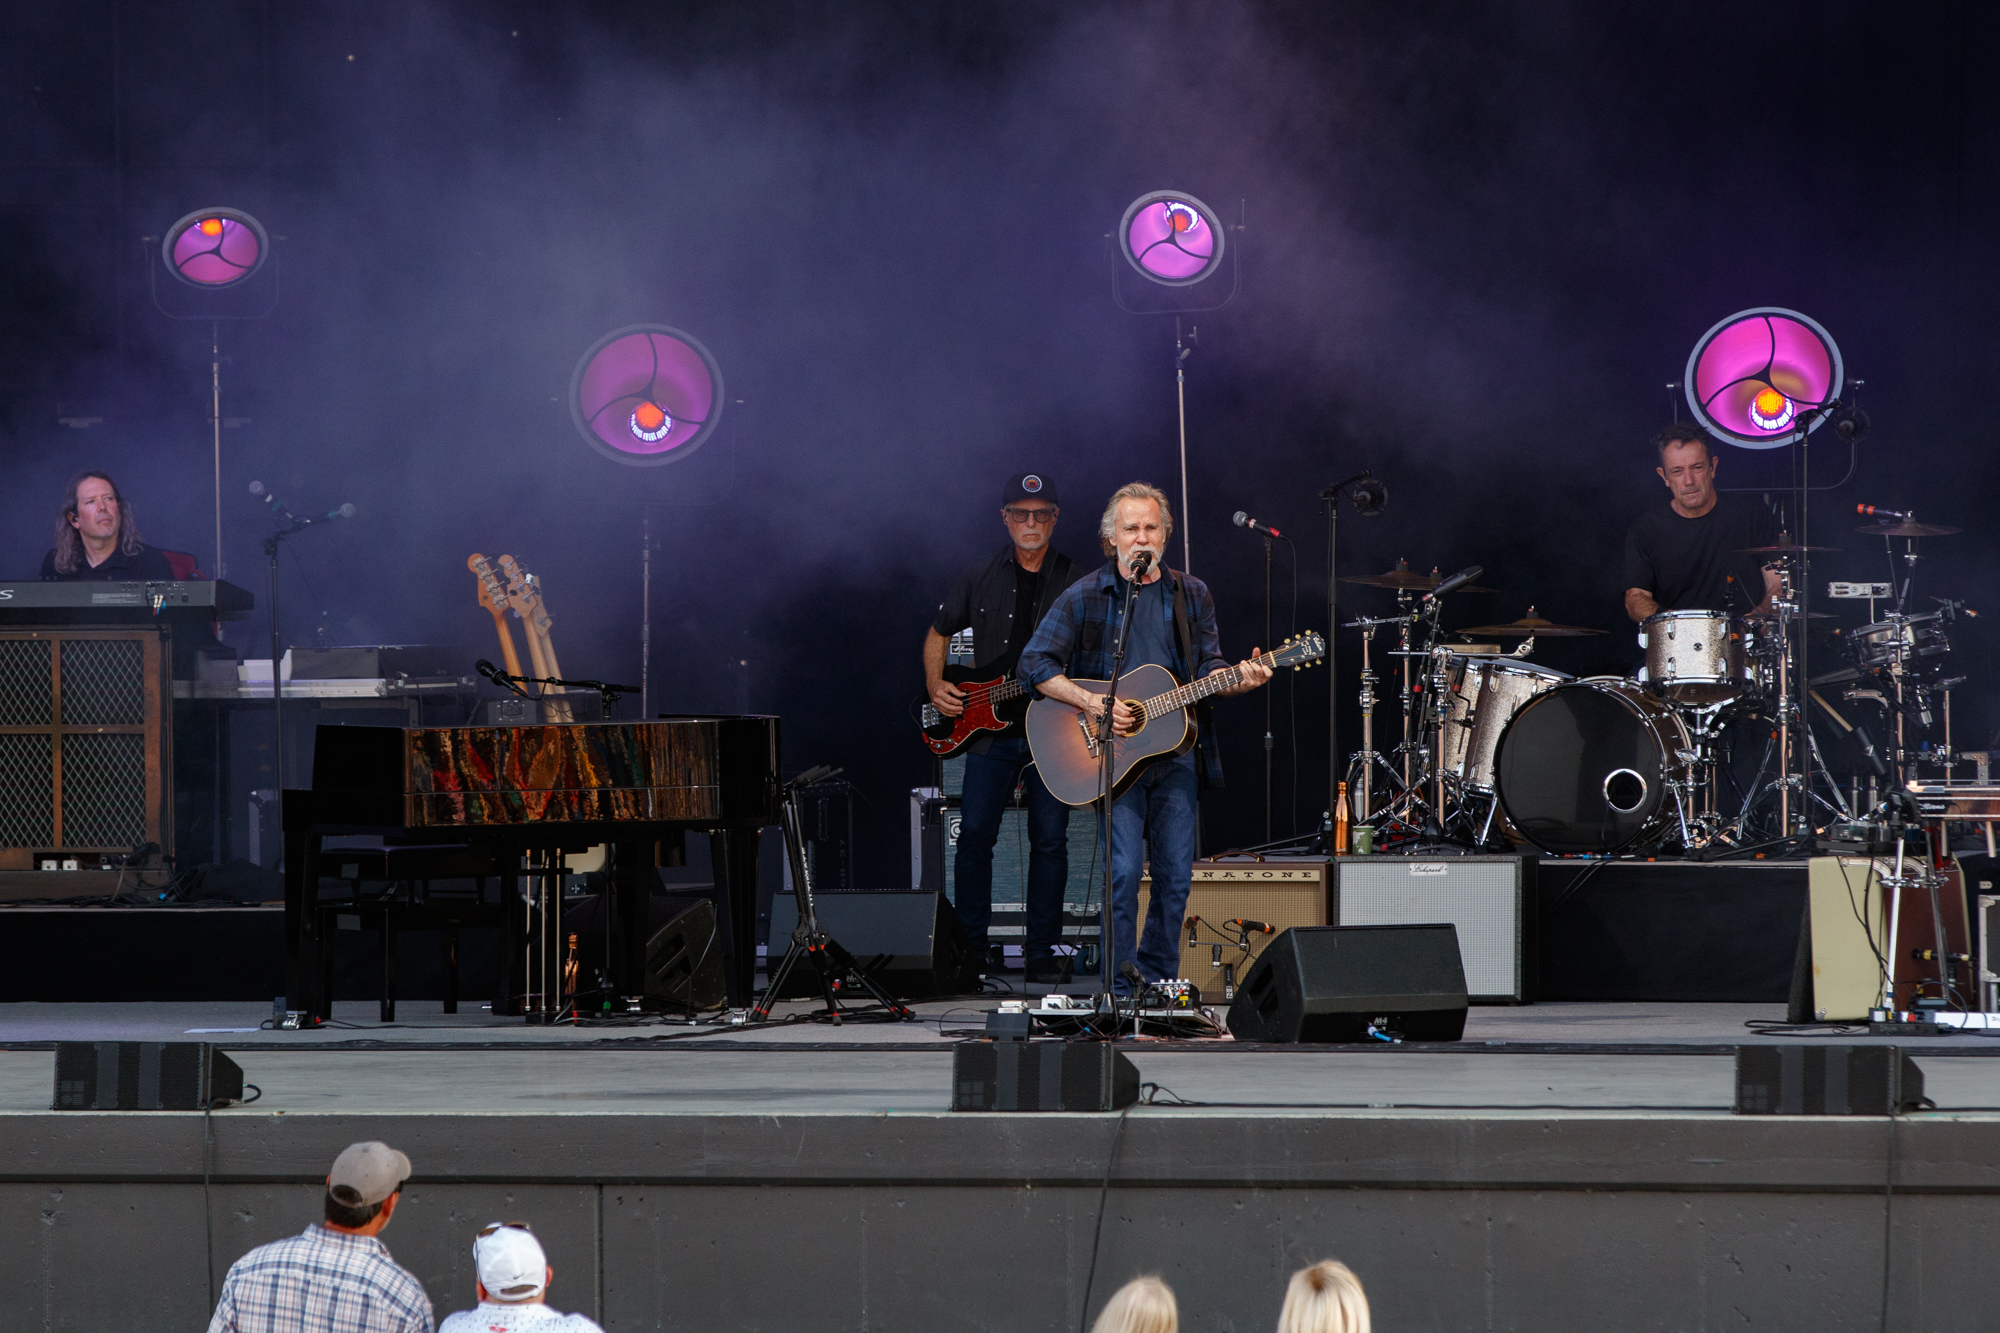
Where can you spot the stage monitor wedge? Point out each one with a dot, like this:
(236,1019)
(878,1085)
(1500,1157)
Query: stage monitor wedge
(1336,983)
(144,1076)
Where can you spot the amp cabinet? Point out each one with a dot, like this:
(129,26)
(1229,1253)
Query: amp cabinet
(85,748)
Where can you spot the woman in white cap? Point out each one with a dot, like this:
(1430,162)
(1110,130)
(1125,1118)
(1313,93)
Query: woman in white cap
(513,1286)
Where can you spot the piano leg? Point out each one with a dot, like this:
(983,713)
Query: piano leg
(511,915)
(734,854)
(303,946)
(634,872)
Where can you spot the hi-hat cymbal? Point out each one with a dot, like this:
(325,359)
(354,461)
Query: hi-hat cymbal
(1535,625)
(1404,579)
(1781,548)
(1908,529)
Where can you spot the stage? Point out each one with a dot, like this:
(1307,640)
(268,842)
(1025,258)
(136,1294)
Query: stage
(1566,1165)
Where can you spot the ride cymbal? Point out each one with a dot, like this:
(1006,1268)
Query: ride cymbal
(1907,529)
(1535,625)
(1404,579)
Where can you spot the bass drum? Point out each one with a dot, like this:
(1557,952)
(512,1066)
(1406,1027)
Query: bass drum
(1584,767)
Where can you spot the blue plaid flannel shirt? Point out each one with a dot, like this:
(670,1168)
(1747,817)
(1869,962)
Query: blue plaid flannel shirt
(321,1281)
(1075,638)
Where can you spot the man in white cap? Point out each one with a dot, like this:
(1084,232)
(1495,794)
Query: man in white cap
(336,1276)
(513,1286)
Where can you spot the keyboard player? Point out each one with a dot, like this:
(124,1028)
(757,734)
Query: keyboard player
(97,538)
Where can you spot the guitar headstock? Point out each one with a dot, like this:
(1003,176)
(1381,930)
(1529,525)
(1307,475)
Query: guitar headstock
(491,595)
(1299,653)
(524,590)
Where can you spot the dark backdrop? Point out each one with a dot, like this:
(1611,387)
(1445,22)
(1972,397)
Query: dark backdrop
(1479,241)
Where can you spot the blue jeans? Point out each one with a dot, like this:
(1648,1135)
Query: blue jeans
(1154,819)
(989,785)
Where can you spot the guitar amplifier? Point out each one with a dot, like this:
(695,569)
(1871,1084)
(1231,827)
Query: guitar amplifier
(84,746)
(1486,897)
(934,824)
(1280,894)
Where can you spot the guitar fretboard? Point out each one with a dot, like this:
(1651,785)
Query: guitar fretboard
(1188,695)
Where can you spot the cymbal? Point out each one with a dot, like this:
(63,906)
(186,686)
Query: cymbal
(1908,529)
(1404,579)
(1781,548)
(1535,625)
(1796,615)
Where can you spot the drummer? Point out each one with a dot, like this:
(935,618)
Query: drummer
(1684,557)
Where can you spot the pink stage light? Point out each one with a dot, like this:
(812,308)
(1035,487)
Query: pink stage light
(646,395)
(215,247)
(1750,377)
(1172,238)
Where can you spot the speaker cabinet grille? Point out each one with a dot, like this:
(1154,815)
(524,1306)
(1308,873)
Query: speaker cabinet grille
(103,683)
(27,800)
(1485,897)
(24,669)
(104,790)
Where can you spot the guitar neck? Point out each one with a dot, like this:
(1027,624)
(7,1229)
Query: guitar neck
(1193,693)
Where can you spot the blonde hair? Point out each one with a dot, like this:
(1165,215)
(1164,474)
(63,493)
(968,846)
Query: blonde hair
(1325,1298)
(1143,1305)
(1137,490)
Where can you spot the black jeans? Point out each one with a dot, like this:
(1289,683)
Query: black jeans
(989,785)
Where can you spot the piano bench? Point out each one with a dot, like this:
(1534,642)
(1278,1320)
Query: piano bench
(388,916)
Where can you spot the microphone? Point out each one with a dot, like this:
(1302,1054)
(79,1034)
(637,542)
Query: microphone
(491,672)
(1455,582)
(1258,926)
(1244,520)
(258,488)
(1141,562)
(345,511)
(1877,511)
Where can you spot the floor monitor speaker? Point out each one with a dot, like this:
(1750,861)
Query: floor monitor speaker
(144,1076)
(1335,983)
(1826,1080)
(1041,1076)
(684,961)
(911,944)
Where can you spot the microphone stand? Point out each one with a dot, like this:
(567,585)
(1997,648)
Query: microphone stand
(1105,767)
(1331,498)
(1267,696)
(607,693)
(272,544)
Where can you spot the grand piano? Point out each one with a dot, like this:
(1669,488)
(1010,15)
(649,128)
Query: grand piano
(519,796)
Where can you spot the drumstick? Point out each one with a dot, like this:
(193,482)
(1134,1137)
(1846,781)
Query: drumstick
(1845,725)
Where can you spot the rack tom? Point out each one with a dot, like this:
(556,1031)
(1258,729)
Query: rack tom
(1486,693)
(1695,657)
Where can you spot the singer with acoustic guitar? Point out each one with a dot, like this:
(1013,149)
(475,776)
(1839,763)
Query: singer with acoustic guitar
(1172,627)
(978,710)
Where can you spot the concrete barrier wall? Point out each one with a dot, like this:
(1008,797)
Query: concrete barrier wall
(937,1222)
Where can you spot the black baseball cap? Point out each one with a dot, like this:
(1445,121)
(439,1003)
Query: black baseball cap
(1030,486)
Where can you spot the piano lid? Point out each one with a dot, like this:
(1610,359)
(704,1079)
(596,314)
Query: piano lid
(708,770)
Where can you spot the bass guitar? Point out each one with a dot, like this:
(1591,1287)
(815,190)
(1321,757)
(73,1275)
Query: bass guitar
(1065,745)
(990,705)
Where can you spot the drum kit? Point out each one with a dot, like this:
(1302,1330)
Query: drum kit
(1497,750)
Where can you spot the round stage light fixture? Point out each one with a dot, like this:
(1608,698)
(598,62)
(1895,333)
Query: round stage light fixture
(1751,376)
(1171,237)
(646,395)
(215,247)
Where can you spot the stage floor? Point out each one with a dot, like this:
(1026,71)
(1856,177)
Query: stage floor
(1549,1059)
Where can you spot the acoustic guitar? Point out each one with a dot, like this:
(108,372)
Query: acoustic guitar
(1065,744)
(990,705)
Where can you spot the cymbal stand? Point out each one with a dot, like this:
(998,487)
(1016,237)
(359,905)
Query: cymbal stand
(1361,768)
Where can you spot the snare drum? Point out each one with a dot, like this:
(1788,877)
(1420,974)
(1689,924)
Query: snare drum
(1695,657)
(1584,767)
(1485,696)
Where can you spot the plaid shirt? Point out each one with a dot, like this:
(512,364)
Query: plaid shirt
(1075,639)
(321,1281)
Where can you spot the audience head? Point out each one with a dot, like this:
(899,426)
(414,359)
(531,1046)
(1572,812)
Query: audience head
(512,1268)
(1143,1305)
(361,1189)
(1326,1298)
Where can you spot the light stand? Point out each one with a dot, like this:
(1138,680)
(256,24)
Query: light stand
(1268,744)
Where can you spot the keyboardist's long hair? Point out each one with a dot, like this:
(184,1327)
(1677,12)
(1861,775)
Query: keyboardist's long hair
(69,542)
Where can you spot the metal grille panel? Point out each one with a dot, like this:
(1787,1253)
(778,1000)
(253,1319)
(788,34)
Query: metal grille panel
(104,683)
(104,790)
(27,791)
(25,693)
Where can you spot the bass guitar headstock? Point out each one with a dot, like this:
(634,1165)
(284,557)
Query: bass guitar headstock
(524,590)
(492,596)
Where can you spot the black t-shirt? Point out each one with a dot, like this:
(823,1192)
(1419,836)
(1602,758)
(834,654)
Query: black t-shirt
(148,566)
(1686,563)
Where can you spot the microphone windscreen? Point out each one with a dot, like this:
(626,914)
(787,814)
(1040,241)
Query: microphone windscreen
(256,488)
(1241,518)
(347,511)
